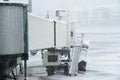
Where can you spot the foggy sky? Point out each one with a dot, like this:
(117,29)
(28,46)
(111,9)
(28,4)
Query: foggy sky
(42,6)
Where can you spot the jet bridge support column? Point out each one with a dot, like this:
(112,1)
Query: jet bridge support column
(75,51)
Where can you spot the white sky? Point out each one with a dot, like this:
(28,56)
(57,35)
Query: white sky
(41,6)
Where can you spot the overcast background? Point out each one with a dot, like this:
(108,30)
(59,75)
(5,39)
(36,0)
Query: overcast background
(102,16)
(42,6)
(97,15)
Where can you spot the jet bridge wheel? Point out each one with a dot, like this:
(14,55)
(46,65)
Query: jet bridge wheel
(82,66)
(66,69)
(50,70)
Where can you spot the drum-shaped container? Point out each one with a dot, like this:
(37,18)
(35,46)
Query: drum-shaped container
(12,28)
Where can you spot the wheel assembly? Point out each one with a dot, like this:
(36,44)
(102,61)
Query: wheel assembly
(82,66)
(50,70)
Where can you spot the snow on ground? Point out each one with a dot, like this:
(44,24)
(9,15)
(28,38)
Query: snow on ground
(35,60)
(103,61)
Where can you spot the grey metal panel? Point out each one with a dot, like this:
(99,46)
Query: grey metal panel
(45,33)
(61,34)
(11,30)
(41,33)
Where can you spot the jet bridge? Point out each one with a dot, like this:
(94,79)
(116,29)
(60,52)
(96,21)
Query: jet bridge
(55,39)
(45,33)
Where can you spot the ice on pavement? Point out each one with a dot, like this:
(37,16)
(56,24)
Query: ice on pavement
(103,61)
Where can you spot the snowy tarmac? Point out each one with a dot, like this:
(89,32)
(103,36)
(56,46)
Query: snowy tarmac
(103,61)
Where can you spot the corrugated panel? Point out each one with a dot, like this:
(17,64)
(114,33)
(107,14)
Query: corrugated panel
(11,30)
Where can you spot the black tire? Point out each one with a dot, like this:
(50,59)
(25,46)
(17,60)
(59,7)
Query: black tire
(50,70)
(66,70)
(75,74)
(82,66)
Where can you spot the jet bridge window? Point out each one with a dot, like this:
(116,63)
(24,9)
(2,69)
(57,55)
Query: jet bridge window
(52,58)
